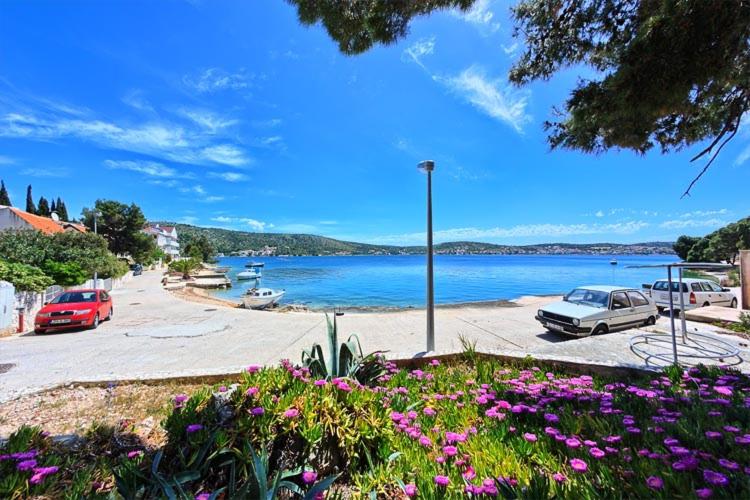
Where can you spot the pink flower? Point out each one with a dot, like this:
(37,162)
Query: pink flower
(573,443)
(320,382)
(291,413)
(179,400)
(450,451)
(704,493)
(578,465)
(309,477)
(135,454)
(430,412)
(530,437)
(469,473)
(655,482)
(202,496)
(425,441)
(410,490)
(560,478)
(596,453)
(41,472)
(252,391)
(442,480)
(253,369)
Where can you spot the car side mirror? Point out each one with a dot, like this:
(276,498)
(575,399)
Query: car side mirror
(46,303)
(725,290)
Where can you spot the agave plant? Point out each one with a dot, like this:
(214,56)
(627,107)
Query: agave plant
(344,360)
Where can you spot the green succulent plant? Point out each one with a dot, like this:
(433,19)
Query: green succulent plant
(345,360)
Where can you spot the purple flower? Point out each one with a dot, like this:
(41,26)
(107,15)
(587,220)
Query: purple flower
(179,400)
(715,478)
(430,412)
(551,418)
(253,369)
(560,478)
(309,477)
(202,496)
(530,437)
(713,435)
(257,411)
(252,391)
(320,382)
(26,465)
(450,451)
(442,480)
(193,428)
(655,482)
(704,493)
(134,454)
(291,413)
(578,465)
(597,453)
(742,439)
(41,472)
(410,490)
(728,464)
(573,443)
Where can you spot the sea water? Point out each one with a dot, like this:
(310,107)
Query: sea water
(399,280)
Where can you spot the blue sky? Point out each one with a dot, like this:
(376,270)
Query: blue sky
(232,114)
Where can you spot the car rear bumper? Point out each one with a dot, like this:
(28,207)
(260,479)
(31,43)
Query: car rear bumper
(559,326)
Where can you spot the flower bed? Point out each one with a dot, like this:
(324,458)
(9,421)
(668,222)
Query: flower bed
(470,428)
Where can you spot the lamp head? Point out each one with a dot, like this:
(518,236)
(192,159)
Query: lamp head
(426,165)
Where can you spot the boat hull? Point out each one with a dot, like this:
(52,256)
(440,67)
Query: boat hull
(260,302)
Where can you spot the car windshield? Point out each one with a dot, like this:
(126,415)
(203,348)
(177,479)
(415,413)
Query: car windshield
(72,297)
(587,297)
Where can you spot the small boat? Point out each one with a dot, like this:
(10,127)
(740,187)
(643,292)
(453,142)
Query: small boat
(255,264)
(258,298)
(250,274)
(613,262)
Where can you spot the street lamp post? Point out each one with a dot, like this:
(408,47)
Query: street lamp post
(96,274)
(428,166)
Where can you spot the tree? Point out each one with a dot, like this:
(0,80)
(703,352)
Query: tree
(185,266)
(661,73)
(30,207)
(62,210)
(683,245)
(4,197)
(65,273)
(43,207)
(699,251)
(121,226)
(52,206)
(199,247)
(24,278)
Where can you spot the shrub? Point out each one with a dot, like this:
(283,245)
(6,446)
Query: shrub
(24,278)
(65,273)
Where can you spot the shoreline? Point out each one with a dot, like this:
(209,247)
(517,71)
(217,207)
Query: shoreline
(203,296)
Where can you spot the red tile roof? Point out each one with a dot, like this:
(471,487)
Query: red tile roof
(43,224)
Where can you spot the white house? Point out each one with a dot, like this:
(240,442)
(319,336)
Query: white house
(165,238)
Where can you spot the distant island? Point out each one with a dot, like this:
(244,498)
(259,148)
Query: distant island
(229,242)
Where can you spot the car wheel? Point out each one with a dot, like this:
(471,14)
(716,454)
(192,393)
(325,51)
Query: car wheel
(111,313)
(733,305)
(660,310)
(39,331)
(95,324)
(600,330)
(706,304)
(651,321)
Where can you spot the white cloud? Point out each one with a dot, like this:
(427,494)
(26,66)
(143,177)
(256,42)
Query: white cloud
(208,120)
(46,172)
(704,213)
(691,223)
(197,189)
(229,176)
(211,199)
(271,123)
(226,154)
(519,231)
(511,50)
(163,140)
(267,142)
(255,225)
(418,50)
(480,16)
(599,214)
(493,97)
(150,168)
(187,219)
(328,222)
(135,99)
(6,160)
(216,79)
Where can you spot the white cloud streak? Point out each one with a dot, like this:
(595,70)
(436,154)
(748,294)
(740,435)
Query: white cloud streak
(421,48)
(229,176)
(493,97)
(149,168)
(213,80)
(480,16)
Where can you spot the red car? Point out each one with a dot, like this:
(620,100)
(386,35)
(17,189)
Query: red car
(74,309)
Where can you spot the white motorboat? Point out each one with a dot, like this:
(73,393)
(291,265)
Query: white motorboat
(258,298)
(250,274)
(255,264)
(613,262)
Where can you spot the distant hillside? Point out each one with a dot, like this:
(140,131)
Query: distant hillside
(244,243)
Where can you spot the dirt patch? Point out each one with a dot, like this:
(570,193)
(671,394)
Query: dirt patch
(70,410)
(202,297)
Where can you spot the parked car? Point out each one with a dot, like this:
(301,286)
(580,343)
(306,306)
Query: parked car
(598,309)
(695,293)
(74,309)
(137,269)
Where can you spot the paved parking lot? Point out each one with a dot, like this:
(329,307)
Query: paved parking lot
(155,334)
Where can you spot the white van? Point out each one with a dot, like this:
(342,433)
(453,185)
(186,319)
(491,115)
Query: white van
(695,293)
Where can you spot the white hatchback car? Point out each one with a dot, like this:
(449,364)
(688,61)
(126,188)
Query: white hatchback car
(695,293)
(598,309)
